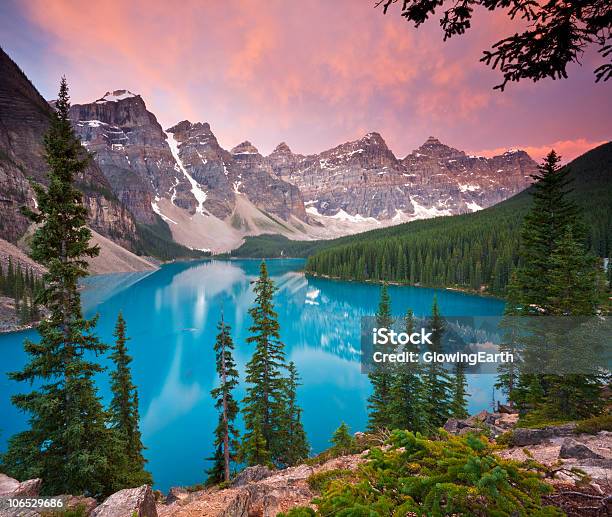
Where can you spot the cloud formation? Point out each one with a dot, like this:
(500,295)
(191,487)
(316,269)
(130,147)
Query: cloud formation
(313,73)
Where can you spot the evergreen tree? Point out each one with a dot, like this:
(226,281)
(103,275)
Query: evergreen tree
(436,381)
(342,440)
(406,408)
(124,415)
(556,276)
(459,401)
(264,404)
(67,444)
(296,444)
(226,434)
(381,376)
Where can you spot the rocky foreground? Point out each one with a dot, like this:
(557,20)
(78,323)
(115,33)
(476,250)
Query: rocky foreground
(579,466)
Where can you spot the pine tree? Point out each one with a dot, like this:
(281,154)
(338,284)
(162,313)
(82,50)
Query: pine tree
(264,404)
(459,401)
(551,214)
(406,408)
(294,437)
(436,381)
(226,434)
(124,415)
(67,444)
(381,376)
(557,276)
(342,440)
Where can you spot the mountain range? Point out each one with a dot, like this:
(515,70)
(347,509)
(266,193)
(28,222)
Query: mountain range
(166,192)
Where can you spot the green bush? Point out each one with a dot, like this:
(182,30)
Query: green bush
(321,480)
(505,439)
(595,424)
(539,419)
(300,511)
(452,475)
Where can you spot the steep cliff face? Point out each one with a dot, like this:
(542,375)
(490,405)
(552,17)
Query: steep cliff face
(131,150)
(458,182)
(363,179)
(24,120)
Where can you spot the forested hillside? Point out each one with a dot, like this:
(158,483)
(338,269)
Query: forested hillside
(474,251)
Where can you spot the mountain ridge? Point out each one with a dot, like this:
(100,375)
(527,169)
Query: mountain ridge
(148,188)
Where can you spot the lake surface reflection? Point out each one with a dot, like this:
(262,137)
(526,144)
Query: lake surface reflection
(171,318)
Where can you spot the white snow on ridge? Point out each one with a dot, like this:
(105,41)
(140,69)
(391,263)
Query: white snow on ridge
(473,206)
(117,95)
(92,123)
(422,212)
(156,209)
(468,188)
(196,190)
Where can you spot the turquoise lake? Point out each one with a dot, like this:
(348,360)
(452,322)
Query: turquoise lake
(171,319)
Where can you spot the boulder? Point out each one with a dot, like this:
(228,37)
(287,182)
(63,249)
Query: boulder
(129,502)
(251,475)
(571,448)
(238,506)
(176,493)
(505,409)
(457,426)
(10,487)
(524,436)
(74,502)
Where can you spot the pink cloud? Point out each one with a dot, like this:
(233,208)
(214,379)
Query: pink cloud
(314,74)
(568,149)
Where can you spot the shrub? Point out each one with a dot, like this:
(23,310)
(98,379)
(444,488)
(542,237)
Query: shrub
(539,419)
(452,475)
(320,480)
(595,424)
(299,511)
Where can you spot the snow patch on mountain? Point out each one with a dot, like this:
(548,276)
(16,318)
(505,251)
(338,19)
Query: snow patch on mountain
(117,95)
(473,206)
(157,210)
(422,212)
(196,190)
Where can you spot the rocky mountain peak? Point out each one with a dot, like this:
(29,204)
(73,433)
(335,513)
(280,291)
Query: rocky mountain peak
(244,148)
(116,96)
(282,148)
(433,148)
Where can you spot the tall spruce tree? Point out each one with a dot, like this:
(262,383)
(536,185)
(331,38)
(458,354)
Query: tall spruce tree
(458,407)
(406,408)
(226,435)
(124,415)
(67,444)
(381,376)
(556,276)
(264,405)
(437,383)
(294,437)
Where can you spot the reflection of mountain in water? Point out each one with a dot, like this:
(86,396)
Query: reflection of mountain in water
(98,289)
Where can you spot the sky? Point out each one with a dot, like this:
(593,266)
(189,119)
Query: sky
(311,73)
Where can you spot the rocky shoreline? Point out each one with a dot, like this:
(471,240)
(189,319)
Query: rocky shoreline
(577,465)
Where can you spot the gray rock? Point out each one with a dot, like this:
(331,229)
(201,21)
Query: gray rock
(572,448)
(238,506)
(522,436)
(129,502)
(73,502)
(176,493)
(10,487)
(504,408)
(251,475)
